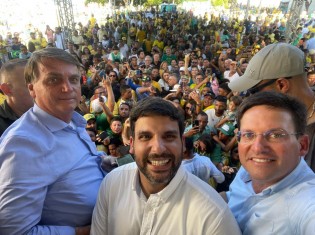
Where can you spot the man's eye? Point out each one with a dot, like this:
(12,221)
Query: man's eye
(74,79)
(52,80)
(170,137)
(248,135)
(144,137)
(275,135)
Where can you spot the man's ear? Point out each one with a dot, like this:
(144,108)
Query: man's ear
(5,87)
(283,85)
(304,144)
(31,90)
(131,149)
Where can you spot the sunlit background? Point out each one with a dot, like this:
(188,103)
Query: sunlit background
(23,16)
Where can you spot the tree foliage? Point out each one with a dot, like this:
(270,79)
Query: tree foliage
(220,3)
(102,2)
(135,2)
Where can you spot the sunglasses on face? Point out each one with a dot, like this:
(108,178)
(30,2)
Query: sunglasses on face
(259,88)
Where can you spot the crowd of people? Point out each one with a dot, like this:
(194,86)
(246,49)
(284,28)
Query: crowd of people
(145,100)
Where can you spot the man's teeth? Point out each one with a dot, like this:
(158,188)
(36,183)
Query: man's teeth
(261,160)
(159,163)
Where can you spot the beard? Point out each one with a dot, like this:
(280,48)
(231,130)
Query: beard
(164,177)
(219,113)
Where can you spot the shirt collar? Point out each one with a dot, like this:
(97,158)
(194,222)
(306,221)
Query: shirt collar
(292,179)
(55,124)
(168,190)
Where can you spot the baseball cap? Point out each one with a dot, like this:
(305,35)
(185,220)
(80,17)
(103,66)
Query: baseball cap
(272,62)
(146,79)
(227,129)
(141,64)
(211,94)
(147,71)
(89,116)
(182,69)
(175,88)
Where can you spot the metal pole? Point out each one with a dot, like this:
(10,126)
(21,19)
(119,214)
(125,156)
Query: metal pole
(247,9)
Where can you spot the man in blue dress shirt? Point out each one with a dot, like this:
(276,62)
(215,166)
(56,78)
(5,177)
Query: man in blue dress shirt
(49,167)
(273,192)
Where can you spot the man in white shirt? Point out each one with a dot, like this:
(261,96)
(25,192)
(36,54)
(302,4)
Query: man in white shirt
(216,114)
(232,73)
(155,195)
(200,166)
(77,39)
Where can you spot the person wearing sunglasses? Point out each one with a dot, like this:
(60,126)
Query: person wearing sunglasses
(273,192)
(280,67)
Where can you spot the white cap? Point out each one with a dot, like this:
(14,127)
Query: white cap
(175,88)
(96,106)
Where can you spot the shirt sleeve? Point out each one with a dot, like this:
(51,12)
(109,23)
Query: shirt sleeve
(215,173)
(24,183)
(226,225)
(131,84)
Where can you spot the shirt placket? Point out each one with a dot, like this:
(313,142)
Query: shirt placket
(149,215)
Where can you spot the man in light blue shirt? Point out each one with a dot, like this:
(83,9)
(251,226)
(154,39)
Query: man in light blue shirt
(273,193)
(49,167)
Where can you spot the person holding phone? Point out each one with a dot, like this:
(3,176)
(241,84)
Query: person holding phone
(198,127)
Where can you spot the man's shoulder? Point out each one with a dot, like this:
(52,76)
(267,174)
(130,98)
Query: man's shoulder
(210,111)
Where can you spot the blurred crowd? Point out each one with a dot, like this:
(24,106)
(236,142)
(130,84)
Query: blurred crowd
(182,58)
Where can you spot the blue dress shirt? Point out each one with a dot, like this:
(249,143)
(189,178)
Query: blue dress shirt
(287,207)
(49,175)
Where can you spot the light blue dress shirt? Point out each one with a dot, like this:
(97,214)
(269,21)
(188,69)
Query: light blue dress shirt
(49,175)
(287,207)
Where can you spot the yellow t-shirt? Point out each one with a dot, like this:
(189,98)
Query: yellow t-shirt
(3,50)
(141,35)
(160,44)
(311,29)
(209,107)
(2,98)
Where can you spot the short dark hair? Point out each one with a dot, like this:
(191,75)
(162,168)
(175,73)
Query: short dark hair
(208,141)
(123,88)
(225,87)
(97,87)
(221,98)
(276,100)
(155,106)
(202,113)
(10,66)
(116,118)
(32,67)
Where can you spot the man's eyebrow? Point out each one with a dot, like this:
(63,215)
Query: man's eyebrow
(53,73)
